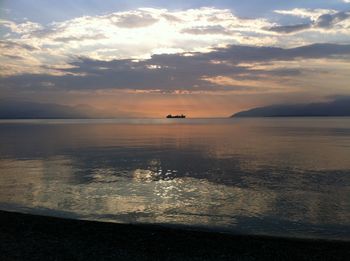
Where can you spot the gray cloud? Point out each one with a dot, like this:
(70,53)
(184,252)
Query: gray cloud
(329,20)
(8,44)
(326,21)
(169,72)
(214,29)
(80,38)
(260,54)
(290,28)
(135,20)
(172,18)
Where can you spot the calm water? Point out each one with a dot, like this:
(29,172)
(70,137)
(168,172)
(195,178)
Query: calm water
(287,177)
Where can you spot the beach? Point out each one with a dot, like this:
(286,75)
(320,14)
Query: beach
(31,237)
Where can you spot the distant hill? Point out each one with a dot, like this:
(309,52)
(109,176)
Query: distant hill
(339,107)
(33,110)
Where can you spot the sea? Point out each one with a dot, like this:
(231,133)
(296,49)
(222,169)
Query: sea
(286,177)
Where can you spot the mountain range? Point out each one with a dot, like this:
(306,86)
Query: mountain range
(338,107)
(34,110)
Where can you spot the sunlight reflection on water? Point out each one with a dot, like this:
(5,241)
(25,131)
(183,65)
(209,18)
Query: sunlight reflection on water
(278,177)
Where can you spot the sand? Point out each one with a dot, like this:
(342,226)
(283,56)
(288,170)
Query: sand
(30,237)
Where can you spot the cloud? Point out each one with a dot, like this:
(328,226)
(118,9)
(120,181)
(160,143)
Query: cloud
(171,18)
(118,36)
(329,20)
(215,29)
(223,69)
(312,14)
(133,20)
(320,19)
(78,39)
(290,28)
(32,48)
(21,28)
(15,45)
(253,54)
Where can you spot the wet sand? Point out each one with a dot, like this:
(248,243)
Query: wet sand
(30,237)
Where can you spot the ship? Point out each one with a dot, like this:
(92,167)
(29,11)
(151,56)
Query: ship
(176,116)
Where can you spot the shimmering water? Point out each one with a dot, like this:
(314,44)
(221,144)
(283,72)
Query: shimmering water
(276,176)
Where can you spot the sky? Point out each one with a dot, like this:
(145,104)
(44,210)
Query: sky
(152,58)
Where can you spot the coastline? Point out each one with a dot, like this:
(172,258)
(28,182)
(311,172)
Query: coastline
(32,237)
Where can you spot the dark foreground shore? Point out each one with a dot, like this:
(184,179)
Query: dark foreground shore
(29,237)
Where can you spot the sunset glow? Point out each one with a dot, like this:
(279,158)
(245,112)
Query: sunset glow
(150,58)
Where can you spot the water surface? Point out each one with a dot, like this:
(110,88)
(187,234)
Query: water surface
(272,176)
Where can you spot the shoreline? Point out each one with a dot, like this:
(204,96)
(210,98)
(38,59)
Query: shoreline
(34,237)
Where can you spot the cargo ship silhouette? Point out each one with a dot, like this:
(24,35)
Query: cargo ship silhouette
(176,116)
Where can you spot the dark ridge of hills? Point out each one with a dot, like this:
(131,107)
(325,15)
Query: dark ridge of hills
(34,110)
(339,107)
